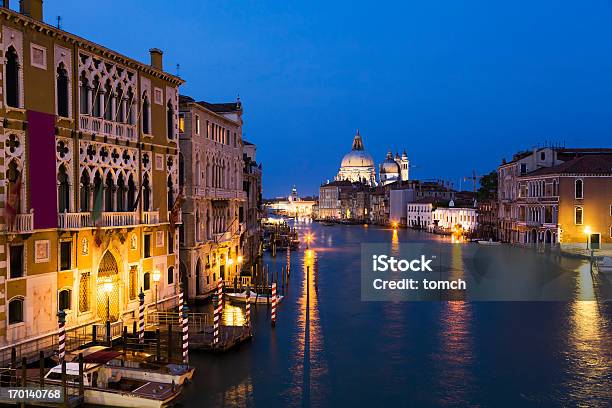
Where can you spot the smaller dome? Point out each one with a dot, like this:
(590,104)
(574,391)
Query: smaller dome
(389,166)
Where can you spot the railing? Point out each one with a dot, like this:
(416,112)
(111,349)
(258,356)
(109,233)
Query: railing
(150,217)
(116,329)
(222,237)
(179,220)
(197,321)
(24,223)
(74,220)
(107,128)
(84,220)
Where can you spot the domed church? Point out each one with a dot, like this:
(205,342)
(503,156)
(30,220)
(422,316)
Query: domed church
(358,165)
(394,168)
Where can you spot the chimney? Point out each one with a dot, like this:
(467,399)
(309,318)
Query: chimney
(156,58)
(32,8)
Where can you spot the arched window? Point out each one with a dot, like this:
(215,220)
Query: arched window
(13,175)
(170,275)
(131,115)
(97,111)
(146,281)
(578,189)
(170,193)
(578,215)
(84,198)
(64,299)
(170,120)
(110,192)
(63,190)
(145,114)
(131,194)
(98,190)
(108,101)
(12,78)
(84,94)
(62,91)
(16,311)
(121,193)
(120,103)
(146,193)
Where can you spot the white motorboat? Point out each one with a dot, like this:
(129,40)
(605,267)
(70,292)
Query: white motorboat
(253,298)
(138,367)
(489,242)
(605,265)
(103,387)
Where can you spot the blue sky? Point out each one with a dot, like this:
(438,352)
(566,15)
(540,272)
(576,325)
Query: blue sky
(458,84)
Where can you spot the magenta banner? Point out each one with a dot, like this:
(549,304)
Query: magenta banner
(41,169)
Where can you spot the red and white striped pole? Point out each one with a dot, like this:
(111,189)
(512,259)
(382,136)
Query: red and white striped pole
(220,291)
(185,324)
(61,320)
(247,319)
(180,303)
(273,304)
(141,315)
(288,260)
(216,321)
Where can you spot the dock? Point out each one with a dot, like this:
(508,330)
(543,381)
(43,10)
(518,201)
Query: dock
(229,337)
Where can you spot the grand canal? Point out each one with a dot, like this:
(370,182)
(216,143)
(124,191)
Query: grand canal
(331,349)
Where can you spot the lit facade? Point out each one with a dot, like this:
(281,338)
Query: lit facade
(212,182)
(90,163)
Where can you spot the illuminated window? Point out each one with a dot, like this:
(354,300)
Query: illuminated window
(197,124)
(181,123)
(84,292)
(578,215)
(133,283)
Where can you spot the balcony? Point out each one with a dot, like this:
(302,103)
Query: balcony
(222,237)
(108,219)
(180,217)
(107,128)
(24,223)
(150,217)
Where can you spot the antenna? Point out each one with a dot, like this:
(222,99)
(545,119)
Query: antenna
(59,22)
(178,70)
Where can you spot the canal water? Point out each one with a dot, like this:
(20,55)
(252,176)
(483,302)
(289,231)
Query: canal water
(331,349)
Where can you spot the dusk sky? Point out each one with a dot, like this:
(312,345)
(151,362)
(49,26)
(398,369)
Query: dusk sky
(458,84)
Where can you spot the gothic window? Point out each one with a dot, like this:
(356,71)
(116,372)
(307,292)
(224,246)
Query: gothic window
(85,189)
(146,106)
(108,101)
(12,78)
(16,311)
(120,102)
(110,192)
(146,193)
(63,190)
(131,116)
(98,185)
(62,91)
(170,120)
(84,94)
(97,111)
(121,193)
(131,194)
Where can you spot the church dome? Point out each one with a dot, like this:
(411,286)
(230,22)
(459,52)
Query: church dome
(389,166)
(357,157)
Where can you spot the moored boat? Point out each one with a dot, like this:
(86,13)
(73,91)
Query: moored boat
(253,298)
(605,266)
(103,387)
(489,242)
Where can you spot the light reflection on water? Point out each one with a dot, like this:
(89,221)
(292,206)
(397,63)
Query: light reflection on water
(331,349)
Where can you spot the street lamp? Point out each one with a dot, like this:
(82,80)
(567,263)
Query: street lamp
(587,232)
(108,288)
(156,277)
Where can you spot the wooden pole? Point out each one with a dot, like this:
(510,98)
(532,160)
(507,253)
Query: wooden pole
(170,340)
(81,372)
(41,368)
(24,372)
(64,383)
(157,346)
(13,366)
(185,328)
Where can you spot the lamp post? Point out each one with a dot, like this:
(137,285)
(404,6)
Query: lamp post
(108,288)
(587,232)
(156,276)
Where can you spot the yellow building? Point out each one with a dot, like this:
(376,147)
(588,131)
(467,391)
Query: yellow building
(89,164)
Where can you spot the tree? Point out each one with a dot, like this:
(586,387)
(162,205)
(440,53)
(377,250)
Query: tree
(488,186)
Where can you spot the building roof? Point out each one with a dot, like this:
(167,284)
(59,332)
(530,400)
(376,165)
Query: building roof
(591,164)
(229,107)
